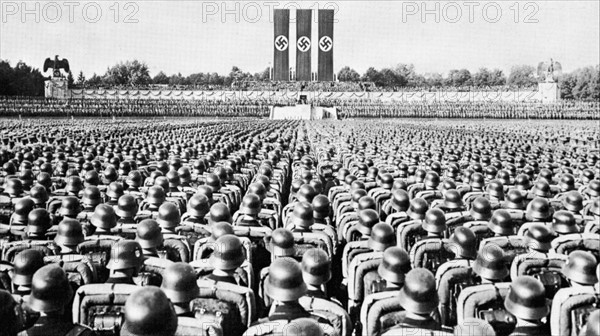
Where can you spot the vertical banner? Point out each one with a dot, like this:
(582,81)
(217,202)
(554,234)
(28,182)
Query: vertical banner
(325,44)
(303,44)
(281,44)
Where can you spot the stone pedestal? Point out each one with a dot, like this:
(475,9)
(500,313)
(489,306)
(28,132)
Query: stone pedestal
(56,88)
(548,92)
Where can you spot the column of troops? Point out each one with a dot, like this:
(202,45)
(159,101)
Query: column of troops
(348,108)
(298,228)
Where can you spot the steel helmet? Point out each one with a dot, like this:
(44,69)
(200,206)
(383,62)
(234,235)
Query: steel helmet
(539,209)
(418,208)
(395,263)
(168,216)
(115,190)
(26,263)
(435,221)
(69,206)
(501,223)
(526,299)
(198,205)
(258,189)
(148,312)
(220,229)
(400,200)
(251,204)
(387,181)
(303,326)
(366,220)
(148,234)
(134,179)
(156,196)
(321,207)
(481,209)
(126,207)
(453,200)
(69,232)
(303,215)
(228,253)
(573,201)
(567,183)
(126,254)
(50,289)
(219,212)
(38,194)
(285,282)
(91,196)
(541,189)
(306,193)
(563,222)
(38,221)
(490,264)
(22,208)
(581,268)
(104,217)
(496,189)
(432,180)
(382,237)
(206,191)
(539,237)
(74,184)
(367,202)
(419,294)
(213,182)
(179,283)
(316,267)
(463,243)
(281,243)
(514,200)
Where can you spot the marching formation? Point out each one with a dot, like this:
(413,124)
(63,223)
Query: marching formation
(260,107)
(253,227)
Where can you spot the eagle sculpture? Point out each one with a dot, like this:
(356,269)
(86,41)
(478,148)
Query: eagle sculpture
(549,71)
(56,65)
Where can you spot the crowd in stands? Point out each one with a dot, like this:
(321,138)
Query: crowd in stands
(260,107)
(247,227)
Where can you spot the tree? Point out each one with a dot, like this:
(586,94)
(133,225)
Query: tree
(70,80)
(160,78)
(587,85)
(22,80)
(94,81)
(81,79)
(348,74)
(459,78)
(566,84)
(522,76)
(406,75)
(130,73)
(372,75)
(434,79)
(498,78)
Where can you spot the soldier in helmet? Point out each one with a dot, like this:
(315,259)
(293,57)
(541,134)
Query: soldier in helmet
(50,296)
(150,237)
(69,235)
(126,259)
(419,299)
(247,215)
(26,263)
(219,212)
(396,206)
(480,211)
(227,257)
(526,301)
(38,224)
(316,272)
(197,208)
(179,284)
(148,311)
(168,218)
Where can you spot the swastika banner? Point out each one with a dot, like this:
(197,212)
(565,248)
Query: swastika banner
(303,44)
(281,45)
(325,44)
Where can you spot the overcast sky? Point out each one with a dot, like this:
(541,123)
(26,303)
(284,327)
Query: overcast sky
(194,36)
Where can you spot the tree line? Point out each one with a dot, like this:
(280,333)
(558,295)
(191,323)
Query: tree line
(581,84)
